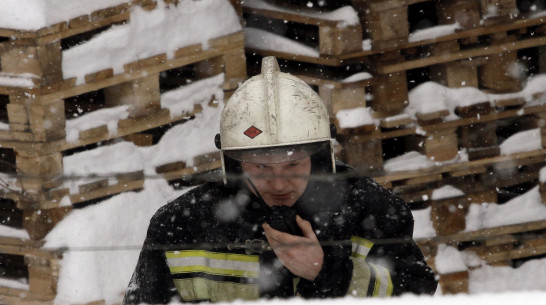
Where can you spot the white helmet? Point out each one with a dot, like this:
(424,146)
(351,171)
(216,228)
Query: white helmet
(273,117)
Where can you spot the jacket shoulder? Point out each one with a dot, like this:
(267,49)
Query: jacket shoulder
(197,199)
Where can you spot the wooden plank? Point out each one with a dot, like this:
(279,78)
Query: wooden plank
(478,109)
(484,234)
(520,252)
(89,187)
(427,116)
(107,191)
(392,122)
(52,93)
(301,16)
(321,60)
(146,62)
(446,168)
(100,75)
(511,102)
(475,32)
(125,127)
(463,54)
(31,251)
(337,84)
(21,299)
(180,174)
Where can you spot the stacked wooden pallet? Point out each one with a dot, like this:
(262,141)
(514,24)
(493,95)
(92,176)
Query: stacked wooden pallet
(40,103)
(467,44)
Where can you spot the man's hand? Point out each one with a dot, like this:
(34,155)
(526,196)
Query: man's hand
(302,255)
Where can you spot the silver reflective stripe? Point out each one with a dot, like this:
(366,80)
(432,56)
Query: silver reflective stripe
(383,283)
(227,264)
(360,247)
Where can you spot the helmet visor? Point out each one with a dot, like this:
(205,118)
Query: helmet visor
(277,154)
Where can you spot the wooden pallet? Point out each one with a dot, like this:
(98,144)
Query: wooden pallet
(329,37)
(439,139)
(38,141)
(495,246)
(77,25)
(41,267)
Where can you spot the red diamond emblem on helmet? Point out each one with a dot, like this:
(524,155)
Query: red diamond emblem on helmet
(252,132)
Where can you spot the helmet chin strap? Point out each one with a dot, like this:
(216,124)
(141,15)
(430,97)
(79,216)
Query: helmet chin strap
(254,189)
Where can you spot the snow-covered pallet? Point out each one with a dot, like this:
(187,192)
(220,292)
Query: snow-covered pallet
(469,47)
(329,34)
(87,83)
(440,122)
(494,246)
(32,278)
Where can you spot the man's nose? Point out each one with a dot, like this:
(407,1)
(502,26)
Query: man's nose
(278,180)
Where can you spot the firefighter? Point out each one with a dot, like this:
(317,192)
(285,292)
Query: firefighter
(287,220)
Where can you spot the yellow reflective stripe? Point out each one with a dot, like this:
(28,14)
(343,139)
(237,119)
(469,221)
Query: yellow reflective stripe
(227,264)
(360,279)
(383,283)
(213,255)
(360,247)
(201,289)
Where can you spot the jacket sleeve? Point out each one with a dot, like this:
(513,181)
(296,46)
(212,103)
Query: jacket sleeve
(151,282)
(395,263)
(333,279)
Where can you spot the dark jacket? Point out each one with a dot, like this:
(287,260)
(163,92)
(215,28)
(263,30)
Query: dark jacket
(366,232)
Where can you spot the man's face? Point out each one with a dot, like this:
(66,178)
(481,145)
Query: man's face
(279,183)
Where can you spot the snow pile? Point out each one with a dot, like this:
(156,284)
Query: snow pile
(434,32)
(446,191)
(106,116)
(264,40)
(346,15)
(23,80)
(355,117)
(124,44)
(524,208)
(125,157)
(423,224)
(357,77)
(412,160)
(528,140)
(103,244)
(527,298)
(500,279)
(431,97)
(449,260)
(37,14)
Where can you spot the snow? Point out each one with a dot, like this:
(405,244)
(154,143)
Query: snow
(525,208)
(37,14)
(125,157)
(527,140)
(263,40)
(354,117)
(357,77)
(103,241)
(346,15)
(409,161)
(20,80)
(449,260)
(423,224)
(528,277)
(446,191)
(106,116)
(121,44)
(528,298)
(434,32)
